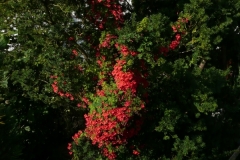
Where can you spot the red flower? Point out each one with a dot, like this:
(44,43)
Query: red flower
(70,38)
(178,37)
(107,41)
(85,100)
(55,88)
(69,146)
(99,62)
(174,29)
(67,94)
(74,52)
(124,80)
(79,67)
(124,50)
(76,136)
(71,98)
(127,104)
(174,44)
(142,105)
(100,93)
(61,93)
(133,53)
(53,77)
(135,152)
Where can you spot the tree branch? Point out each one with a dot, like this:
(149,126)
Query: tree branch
(45,4)
(202,64)
(235,154)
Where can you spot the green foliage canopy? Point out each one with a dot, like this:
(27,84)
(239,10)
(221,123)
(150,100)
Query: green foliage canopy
(186,51)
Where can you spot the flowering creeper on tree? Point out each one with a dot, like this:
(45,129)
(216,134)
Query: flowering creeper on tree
(121,92)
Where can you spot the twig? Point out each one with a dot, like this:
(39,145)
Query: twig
(186,51)
(43,81)
(83,53)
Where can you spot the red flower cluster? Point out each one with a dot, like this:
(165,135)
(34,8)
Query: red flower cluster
(74,53)
(86,100)
(175,42)
(76,136)
(178,27)
(100,93)
(111,127)
(110,154)
(75,139)
(105,128)
(128,80)
(107,40)
(174,29)
(55,87)
(114,125)
(135,152)
(69,147)
(177,39)
(99,18)
(84,103)
(125,80)
(124,50)
(59,92)
(79,67)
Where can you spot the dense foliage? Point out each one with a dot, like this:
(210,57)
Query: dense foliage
(103,79)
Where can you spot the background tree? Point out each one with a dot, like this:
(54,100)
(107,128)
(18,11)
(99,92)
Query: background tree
(44,121)
(158,82)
